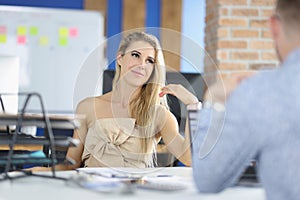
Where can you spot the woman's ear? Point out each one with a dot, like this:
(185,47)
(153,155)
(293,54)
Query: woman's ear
(119,59)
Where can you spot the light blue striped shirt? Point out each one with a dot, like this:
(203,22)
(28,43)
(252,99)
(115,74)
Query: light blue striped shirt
(261,122)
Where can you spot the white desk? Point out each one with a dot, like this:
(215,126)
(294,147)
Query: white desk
(43,189)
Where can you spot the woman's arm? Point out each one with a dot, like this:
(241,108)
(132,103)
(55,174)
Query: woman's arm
(73,153)
(176,144)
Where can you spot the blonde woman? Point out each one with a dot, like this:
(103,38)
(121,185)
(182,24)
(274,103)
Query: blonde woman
(122,127)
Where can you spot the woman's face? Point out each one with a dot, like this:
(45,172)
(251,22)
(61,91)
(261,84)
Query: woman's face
(137,63)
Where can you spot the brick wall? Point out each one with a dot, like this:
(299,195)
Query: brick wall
(237,35)
(134,17)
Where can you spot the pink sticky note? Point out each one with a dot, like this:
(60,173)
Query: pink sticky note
(3,30)
(73,32)
(21,39)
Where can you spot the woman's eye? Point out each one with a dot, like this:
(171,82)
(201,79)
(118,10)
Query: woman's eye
(136,55)
(150,61)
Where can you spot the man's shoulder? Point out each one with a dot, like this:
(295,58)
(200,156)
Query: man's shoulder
(263,80)
(260,88)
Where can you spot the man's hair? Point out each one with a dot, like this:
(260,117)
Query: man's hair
(289,12)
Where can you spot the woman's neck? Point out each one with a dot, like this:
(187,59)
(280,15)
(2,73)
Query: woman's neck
(123,94)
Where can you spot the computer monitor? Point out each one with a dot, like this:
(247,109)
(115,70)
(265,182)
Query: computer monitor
(9,83)
(192,81)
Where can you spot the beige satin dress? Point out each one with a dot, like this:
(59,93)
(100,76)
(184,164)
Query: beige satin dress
(115,142)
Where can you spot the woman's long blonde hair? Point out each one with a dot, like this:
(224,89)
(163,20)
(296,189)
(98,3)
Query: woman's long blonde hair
(142,106)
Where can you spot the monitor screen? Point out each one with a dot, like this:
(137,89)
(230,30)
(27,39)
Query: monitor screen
(9,83)
(192,81)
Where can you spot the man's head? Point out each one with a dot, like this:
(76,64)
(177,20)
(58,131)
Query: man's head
(285,27)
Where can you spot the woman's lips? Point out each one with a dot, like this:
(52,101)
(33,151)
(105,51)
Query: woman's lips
(138,73)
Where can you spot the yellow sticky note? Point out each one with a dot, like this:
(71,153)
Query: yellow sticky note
(21,30)
(2,38)
(44,41)
(63,41)
(63,32)
(33,30)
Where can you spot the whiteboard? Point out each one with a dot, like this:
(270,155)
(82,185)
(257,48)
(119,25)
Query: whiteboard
(9,83)
(52,45)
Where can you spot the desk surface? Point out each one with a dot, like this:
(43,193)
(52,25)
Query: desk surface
(43,189)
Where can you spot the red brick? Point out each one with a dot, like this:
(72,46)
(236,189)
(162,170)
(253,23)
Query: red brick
(262,45)
(263,3)
(233,22)
(263,66)
(244,56)
(232,66)
(266,34)
(245,12)
(222,55)
(212,2)
(222,32)
(232,44)
(269,56)
(260,23)
(233,2)
(209,17)
(245,33)
(267,13)
(223,12)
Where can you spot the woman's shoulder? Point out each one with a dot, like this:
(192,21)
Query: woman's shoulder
(162,110)
(163,114)
(90,102)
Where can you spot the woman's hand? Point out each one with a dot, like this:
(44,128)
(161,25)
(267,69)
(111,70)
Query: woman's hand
(180,92)
(38,169)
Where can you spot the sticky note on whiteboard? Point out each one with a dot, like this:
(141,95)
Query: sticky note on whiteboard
(43,41)
(21,30)
(2,30)
(63,41)
(21,39)
(73,32)
(2,38)
(63,32)
(33,30)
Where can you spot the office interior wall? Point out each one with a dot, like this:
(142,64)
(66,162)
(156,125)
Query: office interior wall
(237,35)
(171,19)
(134,16)
(97,5)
